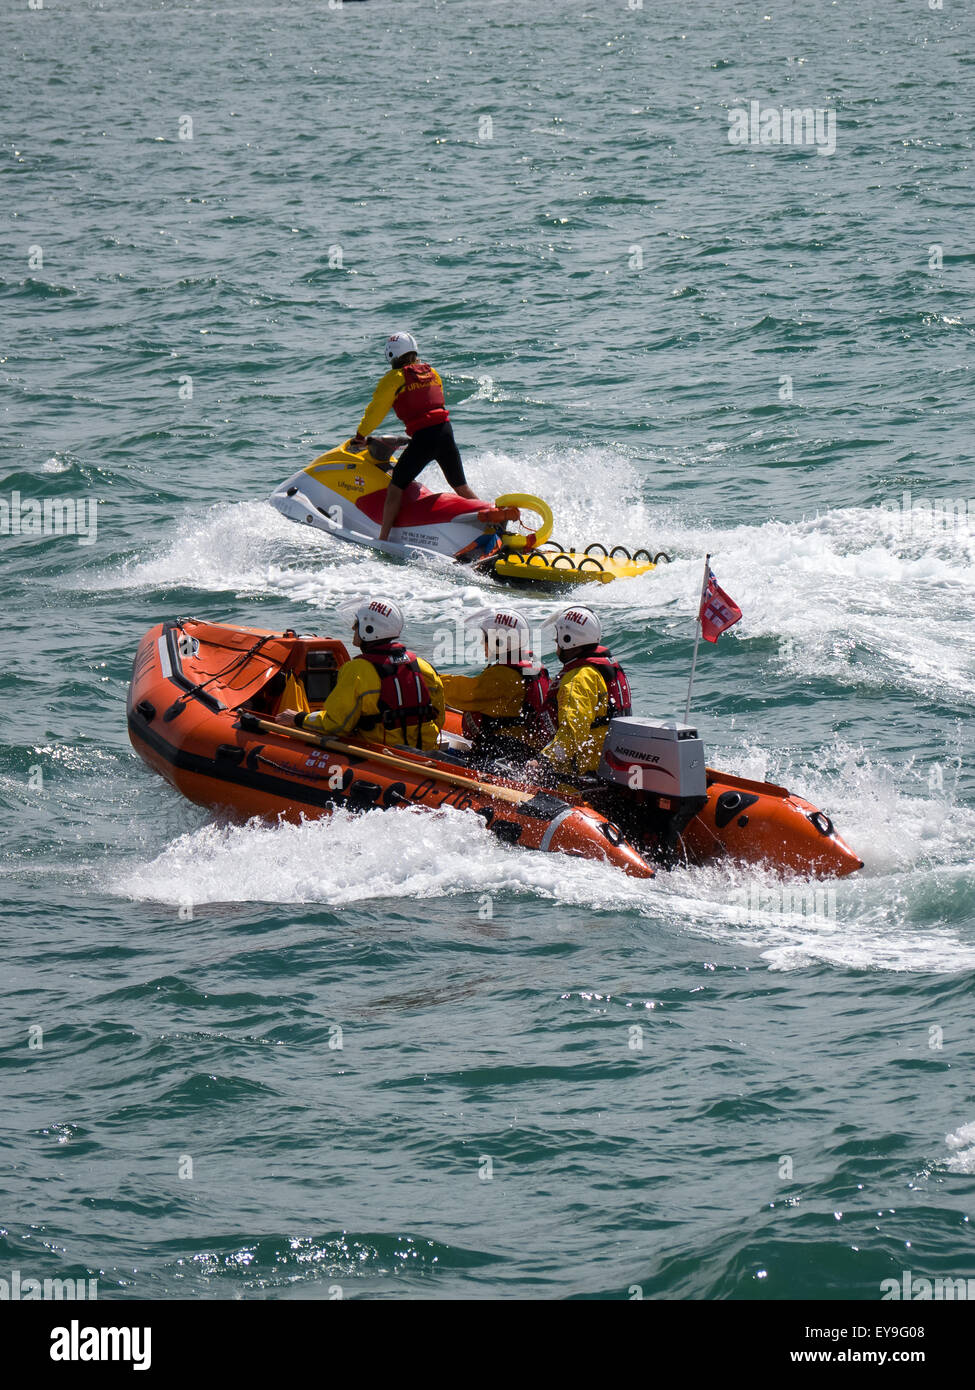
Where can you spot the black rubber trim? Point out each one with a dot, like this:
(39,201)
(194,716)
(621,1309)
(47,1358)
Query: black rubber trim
(507,830)
(730,804)
(544,806)
(179,679)
(363,796)
(246,773)
(241,776)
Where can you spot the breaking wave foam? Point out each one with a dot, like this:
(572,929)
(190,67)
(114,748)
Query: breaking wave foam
(883,919)
(845,594)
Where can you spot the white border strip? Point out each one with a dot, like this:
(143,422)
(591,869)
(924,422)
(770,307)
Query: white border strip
(553,825)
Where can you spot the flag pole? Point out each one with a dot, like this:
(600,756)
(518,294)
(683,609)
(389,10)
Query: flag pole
(697,636)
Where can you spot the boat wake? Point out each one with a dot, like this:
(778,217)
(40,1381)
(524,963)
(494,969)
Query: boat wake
(851,595)
(891,917)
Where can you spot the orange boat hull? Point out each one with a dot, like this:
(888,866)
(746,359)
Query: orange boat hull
(752,822)
(184,722)
(760,823)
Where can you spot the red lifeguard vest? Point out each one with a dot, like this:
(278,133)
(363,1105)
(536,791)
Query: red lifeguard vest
(404,700)
(420,401)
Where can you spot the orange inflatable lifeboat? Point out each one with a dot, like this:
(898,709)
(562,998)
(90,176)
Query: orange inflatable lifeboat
(201,713)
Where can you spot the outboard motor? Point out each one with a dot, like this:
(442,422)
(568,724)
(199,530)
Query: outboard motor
(658,772)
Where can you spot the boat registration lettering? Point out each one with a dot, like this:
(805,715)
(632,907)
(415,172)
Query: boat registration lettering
(424,791)
(459,798)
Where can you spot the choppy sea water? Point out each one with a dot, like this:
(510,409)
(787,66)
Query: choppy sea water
(552,1081)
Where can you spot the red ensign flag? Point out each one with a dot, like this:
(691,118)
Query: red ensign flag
(718,611)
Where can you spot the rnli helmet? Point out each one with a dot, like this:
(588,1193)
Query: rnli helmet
(576,627)
(398,344)
(379,619)
(506,633)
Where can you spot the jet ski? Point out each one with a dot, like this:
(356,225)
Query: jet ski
(342,493)
(201,713)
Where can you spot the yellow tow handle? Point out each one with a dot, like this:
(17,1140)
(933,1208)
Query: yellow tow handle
(524,500)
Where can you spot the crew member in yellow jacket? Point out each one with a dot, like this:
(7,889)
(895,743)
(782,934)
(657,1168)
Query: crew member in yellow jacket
(387,694)
(591,690)
(415,391)
(503,705)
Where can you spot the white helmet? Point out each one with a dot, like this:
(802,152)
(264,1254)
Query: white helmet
(506,631)
(398,344)
(379,619)
(576,627)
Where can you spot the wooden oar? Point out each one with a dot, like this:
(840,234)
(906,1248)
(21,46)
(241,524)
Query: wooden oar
(375,754)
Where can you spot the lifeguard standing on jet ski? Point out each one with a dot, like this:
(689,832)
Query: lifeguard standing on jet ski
(415,392)
(387,694)
(503,706)
(591,690)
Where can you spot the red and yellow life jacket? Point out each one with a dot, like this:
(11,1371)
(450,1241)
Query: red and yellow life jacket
(617,688)
(420,402)
(404,700)
(536,689)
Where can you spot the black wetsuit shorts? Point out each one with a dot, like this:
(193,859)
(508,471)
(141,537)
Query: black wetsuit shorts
(434,442)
